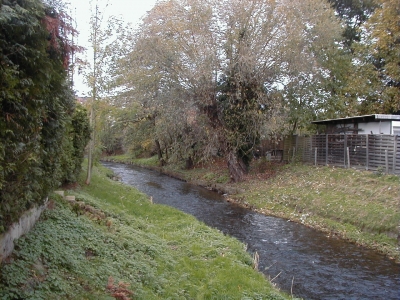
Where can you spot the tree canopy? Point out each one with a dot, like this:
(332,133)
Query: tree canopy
(217,69)
(354,13)
(376,80)
(206,78)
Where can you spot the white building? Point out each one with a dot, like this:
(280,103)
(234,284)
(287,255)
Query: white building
(367,124)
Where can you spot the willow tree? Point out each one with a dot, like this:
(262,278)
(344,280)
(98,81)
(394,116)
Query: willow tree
(219,63)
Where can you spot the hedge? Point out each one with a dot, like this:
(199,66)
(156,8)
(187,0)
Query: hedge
(42,132)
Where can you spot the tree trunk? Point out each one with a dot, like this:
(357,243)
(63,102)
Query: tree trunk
(91,146)
(92,111)
(236,166)
(159,153)
(189,163)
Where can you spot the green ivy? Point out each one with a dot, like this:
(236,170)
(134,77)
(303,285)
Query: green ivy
(74,144)
(41,141)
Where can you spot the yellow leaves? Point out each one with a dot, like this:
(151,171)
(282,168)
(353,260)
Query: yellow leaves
(147,144)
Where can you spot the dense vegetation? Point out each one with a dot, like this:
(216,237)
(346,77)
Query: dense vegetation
(116,244)
(201,79)
(43,134)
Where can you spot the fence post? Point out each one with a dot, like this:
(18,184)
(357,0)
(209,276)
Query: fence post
(344,149)
(326,149)
(348,158)
(294,152)
(386,161)
(367,152)
(315,155)
(394,153)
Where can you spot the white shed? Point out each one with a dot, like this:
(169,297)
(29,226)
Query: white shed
(367,124)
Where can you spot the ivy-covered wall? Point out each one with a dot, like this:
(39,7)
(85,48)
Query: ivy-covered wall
(42,132)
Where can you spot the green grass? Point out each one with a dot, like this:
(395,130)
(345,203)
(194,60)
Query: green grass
(357,205)
(117,242)
(126,158)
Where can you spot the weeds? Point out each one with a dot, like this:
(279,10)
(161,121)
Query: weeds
(120,291)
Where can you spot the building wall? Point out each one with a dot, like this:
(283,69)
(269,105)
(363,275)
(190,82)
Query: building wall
(384,127)
(396,127)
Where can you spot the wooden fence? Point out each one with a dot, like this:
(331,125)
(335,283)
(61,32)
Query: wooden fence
(375,152)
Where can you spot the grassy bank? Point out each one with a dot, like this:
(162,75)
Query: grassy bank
(114,243)
(360,206)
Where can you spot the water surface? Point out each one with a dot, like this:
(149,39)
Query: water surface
(297,258)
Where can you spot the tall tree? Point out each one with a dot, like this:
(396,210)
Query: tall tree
(223,62)
(95,40)
(377,58)
(354,13)
(97,72)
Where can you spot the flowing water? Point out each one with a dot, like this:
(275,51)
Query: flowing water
(296,258)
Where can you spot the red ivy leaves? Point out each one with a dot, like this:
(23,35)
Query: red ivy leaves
(59,27)
(120,291)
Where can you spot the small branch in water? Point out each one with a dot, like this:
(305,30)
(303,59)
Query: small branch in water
(276,276)
(291,289)
(256,260)
(267,268)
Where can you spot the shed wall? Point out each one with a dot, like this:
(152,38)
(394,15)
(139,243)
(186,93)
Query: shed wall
(383,127)
(396,127)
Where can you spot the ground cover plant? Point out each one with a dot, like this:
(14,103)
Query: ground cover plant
(112,242)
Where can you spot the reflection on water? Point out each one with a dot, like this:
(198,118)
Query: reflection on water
(154,184)
(296,257)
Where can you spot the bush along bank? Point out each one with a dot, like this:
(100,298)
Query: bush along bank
(360,206)
(112,242)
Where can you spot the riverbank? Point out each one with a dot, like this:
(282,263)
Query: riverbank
(110,241)
(359,206)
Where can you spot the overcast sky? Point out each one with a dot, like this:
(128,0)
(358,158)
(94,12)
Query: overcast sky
(130,10)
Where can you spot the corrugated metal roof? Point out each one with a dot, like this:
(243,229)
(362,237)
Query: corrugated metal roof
(387,117)
(373,117)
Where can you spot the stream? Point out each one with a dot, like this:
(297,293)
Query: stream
(296,258)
